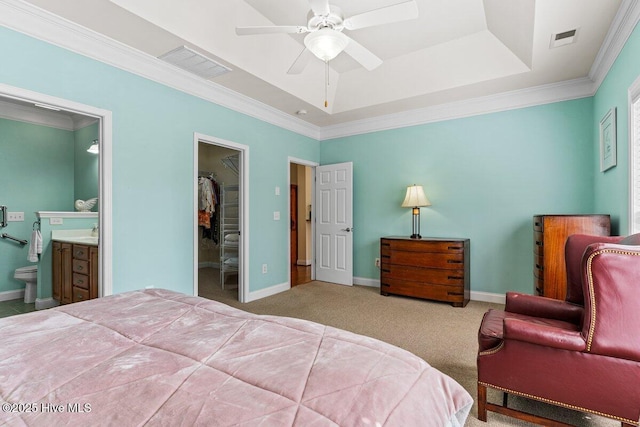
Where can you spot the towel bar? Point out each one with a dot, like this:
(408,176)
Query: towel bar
(15,239)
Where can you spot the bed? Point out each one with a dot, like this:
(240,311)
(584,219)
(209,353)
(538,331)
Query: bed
(158,357)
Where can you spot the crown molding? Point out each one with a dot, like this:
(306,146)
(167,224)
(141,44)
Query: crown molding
(621,28)
(38,23)
(43,25)
(529,97)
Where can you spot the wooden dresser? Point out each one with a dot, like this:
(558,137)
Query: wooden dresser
(550,234)
(429,268)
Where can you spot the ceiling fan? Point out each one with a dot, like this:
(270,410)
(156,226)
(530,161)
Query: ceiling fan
(326,39)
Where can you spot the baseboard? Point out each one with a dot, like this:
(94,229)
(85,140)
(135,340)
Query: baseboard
(11,295)
(44,303)
(488,297)
(267,292)
(363,281)
(303,262)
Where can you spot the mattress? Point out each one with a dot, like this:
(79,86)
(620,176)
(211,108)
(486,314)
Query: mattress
(157,357)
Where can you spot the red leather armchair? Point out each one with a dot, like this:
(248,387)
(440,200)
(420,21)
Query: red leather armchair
(582,353)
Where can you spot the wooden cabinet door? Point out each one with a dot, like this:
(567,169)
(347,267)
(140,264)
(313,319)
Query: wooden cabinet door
(61,270)
(93,272)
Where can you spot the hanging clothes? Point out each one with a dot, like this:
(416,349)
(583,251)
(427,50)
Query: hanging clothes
(207,201)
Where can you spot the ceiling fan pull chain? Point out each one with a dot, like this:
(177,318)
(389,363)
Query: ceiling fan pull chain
(326,86)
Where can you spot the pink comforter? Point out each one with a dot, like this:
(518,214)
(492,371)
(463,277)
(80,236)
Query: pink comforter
(161,358)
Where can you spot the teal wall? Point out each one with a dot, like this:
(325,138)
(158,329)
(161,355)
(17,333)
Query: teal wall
(153,127)
(36,163)
(486,176)
(86,164)
(612,186)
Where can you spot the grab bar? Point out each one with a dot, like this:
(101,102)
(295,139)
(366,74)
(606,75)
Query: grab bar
(3,223)
(6,236)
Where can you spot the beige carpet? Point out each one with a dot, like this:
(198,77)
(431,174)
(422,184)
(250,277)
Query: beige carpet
(444,336)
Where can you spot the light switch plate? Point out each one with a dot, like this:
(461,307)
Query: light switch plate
(277,191)
(15,216)
(55,221)
(276,216)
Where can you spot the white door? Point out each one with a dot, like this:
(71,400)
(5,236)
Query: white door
(334,223)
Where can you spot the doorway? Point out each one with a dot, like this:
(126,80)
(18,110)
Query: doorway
(301,247)
(76,118)
(220,233)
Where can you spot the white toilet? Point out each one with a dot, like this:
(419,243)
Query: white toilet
(29,275)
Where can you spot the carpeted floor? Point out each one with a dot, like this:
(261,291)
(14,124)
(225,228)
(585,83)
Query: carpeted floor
(444,336)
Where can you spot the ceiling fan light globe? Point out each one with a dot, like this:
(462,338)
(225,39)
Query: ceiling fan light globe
(326,43)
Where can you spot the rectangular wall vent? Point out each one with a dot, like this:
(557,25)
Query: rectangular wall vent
(564,38)
(194,62)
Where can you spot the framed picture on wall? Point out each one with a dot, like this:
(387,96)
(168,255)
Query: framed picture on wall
(608,143)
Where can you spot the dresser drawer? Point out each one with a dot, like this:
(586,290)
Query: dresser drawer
(422,259)
(79,294)
(80,280)
(425,275)
(422,246)
(445,293)
(80,266)
(81,252)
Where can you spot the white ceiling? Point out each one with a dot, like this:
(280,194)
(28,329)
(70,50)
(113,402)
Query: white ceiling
(456,50)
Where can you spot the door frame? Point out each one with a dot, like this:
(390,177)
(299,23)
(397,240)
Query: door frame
(105,180)
(243,214)
(312,165)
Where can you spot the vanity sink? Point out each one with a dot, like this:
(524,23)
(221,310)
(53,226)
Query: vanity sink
(90,240)
(82,237)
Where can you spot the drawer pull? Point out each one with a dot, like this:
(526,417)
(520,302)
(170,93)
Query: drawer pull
(453,248)
(385,256)
(455,277)
(538,243)
(79,296)
(539,267)
(537,224)
(384,270)
(454,261)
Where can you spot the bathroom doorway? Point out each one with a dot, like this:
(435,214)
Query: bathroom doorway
(301,240)
(220,222)
(74,128)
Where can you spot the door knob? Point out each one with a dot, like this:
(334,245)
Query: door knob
(347,229)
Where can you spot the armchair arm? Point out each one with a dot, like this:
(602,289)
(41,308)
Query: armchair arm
(547,308)
(543,335)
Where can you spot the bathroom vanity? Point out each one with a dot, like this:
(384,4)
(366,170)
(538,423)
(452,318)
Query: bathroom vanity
(75,270)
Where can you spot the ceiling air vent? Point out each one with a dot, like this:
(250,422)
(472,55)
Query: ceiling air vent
(564,38)
(195,63)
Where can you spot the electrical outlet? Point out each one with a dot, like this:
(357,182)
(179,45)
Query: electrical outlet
(55,221)
(15,216)
(276,216)
(378,262)
(264,268)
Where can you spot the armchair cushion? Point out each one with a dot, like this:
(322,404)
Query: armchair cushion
(492,328)
(547,308)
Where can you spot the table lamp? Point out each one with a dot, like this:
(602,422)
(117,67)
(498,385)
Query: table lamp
(414,199)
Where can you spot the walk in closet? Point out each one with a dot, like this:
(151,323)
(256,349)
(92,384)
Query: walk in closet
(218,230)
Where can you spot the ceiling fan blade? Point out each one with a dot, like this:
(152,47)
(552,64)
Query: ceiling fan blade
(385,15)
(287,29)
(301,62)
(363,55)
(320,7)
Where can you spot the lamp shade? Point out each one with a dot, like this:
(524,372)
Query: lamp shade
(326,43)
(415,197)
